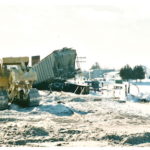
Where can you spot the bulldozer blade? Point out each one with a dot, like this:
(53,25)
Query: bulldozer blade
(34,97)
(3,100)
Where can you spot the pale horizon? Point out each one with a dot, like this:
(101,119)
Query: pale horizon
(112,32)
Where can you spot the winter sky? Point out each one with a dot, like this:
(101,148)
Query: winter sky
(111,32)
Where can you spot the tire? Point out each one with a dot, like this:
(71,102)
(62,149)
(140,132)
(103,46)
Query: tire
(3,100)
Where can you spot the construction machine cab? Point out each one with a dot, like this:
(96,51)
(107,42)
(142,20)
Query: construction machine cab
(18,61)
(16,80)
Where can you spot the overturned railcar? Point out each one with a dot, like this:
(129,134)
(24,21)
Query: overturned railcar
(55,69)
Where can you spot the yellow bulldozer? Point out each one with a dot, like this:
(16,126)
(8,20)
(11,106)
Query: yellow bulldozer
(16,80)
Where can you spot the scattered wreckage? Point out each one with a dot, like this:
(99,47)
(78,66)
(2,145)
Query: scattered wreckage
(20,84)
(54,70)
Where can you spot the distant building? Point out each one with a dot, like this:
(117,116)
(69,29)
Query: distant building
(96,73)
(114,75)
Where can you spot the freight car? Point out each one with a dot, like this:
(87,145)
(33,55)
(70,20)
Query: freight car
(54,70)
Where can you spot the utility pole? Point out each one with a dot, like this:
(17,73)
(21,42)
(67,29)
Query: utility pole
(80,60)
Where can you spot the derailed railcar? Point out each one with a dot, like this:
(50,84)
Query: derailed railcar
(56,67)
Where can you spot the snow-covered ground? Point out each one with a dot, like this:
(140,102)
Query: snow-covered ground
(141,89)
(67,119)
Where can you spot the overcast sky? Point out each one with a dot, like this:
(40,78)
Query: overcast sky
(111,32)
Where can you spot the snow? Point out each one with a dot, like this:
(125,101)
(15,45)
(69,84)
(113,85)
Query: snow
(105,118)
(140,90)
